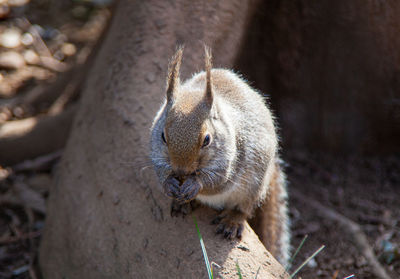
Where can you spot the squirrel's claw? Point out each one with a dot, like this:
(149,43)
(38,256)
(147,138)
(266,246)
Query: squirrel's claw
(231,231)
(231,224)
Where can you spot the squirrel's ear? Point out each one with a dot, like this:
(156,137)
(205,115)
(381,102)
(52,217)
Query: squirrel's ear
(173,73)
(208,64)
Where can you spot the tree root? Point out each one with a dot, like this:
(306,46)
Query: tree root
(34,136)
(38,164)
(353,228)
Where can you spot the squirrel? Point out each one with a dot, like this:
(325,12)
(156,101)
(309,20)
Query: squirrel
(213,141)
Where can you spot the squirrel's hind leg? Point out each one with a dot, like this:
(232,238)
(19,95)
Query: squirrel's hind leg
(230,223)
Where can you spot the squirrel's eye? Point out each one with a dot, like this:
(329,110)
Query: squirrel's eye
(163,137)
(207,140)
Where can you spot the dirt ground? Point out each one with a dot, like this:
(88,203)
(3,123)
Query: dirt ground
(363,189)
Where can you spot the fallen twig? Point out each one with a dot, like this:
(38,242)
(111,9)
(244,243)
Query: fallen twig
(49,62)
(359,237)
(46,58)
(37,163)
(69,92)
(22,195)
(12,239)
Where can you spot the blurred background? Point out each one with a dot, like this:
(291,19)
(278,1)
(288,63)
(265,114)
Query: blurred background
(330,69)
(46,47)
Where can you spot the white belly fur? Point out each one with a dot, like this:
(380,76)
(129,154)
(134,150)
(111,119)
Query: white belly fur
(218,201)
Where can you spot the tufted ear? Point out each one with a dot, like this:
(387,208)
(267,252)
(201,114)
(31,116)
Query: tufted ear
(208,65)
(173,74)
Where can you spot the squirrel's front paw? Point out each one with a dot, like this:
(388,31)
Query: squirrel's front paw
(188,190)
(230,223)
(171,187)
(182,193)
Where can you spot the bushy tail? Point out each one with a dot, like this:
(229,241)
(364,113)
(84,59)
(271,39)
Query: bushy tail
(271,221)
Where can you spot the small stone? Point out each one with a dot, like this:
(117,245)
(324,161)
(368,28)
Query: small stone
(11,38)
(4,173)
(18,112)
(68,49)
(312,263)
(31,57)
(11,60)
(27,39)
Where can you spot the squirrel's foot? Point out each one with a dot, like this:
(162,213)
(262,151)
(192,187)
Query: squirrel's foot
(231,223)
(182,209)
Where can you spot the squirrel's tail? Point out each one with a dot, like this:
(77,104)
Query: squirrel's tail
(270,221)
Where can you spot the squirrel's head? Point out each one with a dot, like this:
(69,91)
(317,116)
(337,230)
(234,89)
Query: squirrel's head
(187,131)
(184,126)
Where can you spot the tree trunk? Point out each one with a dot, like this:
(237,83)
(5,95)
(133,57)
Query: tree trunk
(106,217)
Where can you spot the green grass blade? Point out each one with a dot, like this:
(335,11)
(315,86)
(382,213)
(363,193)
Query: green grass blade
(203,248)
(238,270)
(306,261)
(289,265)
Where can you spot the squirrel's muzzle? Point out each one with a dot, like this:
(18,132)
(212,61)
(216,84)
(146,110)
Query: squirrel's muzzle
(181,175)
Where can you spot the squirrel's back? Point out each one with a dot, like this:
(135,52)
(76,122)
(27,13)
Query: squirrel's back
(232,88)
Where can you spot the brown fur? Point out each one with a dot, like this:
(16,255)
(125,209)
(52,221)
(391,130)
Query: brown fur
(266,221)
(208,66)
(173,79)
(236,171)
